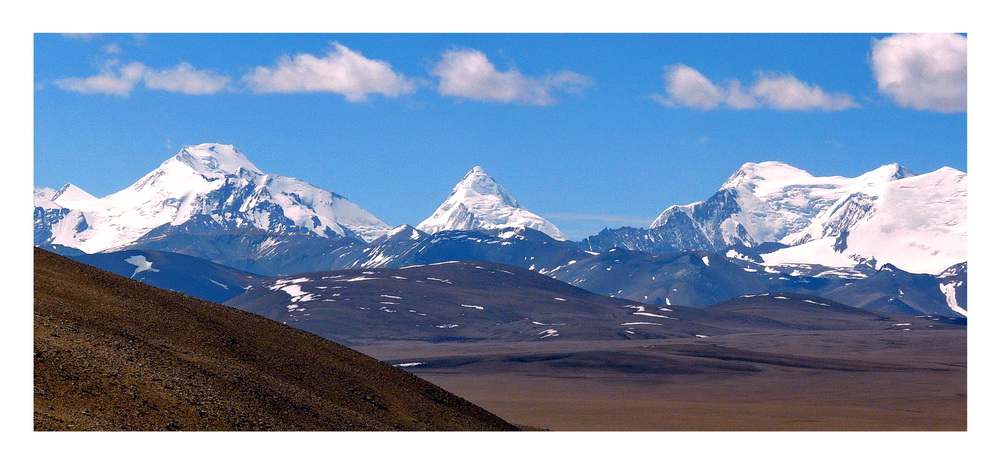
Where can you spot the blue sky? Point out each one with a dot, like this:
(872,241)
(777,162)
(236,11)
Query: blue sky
(587,130)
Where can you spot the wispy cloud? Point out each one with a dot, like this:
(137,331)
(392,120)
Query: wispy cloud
(121,79)
(687,87)
(467,73)
(341,71)
(185,79)
(922,71)
(113,79)
(112,49)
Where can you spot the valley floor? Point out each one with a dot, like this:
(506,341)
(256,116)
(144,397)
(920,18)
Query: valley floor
(821,381)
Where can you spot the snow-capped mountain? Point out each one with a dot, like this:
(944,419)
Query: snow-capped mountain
(212,182)
(890,214)
(479,203)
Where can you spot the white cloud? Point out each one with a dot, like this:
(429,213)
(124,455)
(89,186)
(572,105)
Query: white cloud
(785,92)
(686,86)
(341,71)
(467,73)
(185,79)
(122,80)
(922,71)
(112,49)
(112,80)
(689,88)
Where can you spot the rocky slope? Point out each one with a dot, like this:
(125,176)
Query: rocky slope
(114,354)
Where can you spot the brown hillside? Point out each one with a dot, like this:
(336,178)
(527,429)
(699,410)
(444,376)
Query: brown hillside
(115,354)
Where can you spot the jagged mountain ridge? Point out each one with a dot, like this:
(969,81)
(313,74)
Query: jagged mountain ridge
(890,214)
(251,231)
(212,183)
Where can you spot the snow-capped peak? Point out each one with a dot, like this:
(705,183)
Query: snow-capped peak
(214,160)
(213,181)
(479,202)
(890,172)
(73,197)
(752,173)
(918,221)
(70,193)
(404,231)
(477,182)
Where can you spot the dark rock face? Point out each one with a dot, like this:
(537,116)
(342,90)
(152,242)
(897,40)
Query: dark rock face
(678,229)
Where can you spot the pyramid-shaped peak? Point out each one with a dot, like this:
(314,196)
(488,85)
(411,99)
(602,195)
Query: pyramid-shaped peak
(479,202)
(215,159)
(71,193)
(478,183)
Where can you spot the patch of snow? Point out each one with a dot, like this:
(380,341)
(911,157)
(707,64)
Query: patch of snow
(141,264)
(653,315)
(949,295)
(358,278)
(547,333)
(408,364)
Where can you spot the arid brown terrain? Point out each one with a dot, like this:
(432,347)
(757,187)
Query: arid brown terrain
(867,380)
(115,354)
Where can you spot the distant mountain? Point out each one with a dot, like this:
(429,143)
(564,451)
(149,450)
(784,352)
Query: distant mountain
(770,228)
(254,250)
(479,301)
(702,279)
(209,183)
(182,273)
(694,278)
(478,202)
(516,246)
(953,285)
(917,222)
(898,291)
(111,354)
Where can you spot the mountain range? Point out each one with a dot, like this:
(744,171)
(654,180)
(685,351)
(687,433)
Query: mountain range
(481,301)
(770,228)
(888,215)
